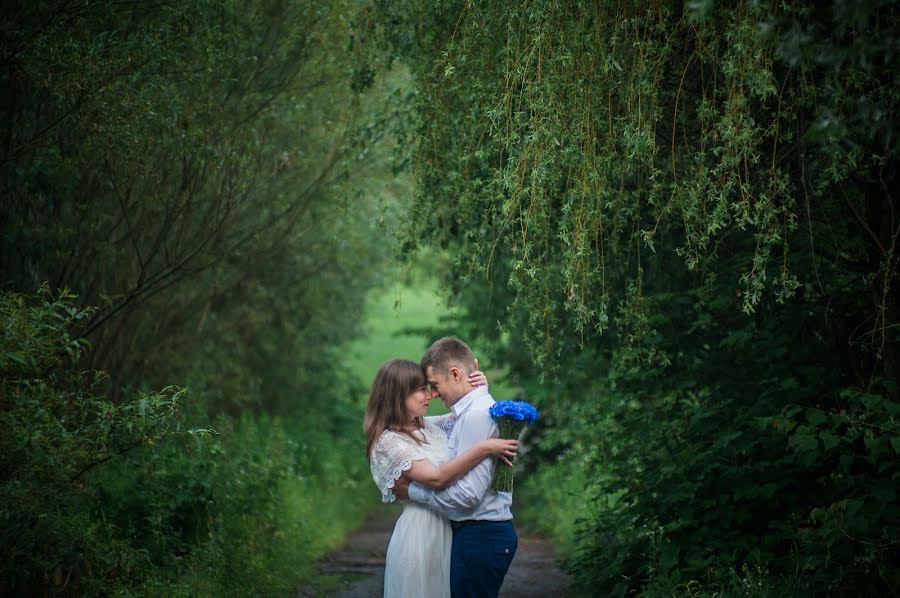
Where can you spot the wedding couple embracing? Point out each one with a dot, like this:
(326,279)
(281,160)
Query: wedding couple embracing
(455,535)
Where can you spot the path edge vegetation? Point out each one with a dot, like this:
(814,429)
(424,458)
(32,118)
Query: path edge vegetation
(676,222)
(673,224)
(195,198)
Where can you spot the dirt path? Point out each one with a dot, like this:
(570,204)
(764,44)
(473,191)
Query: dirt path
(533,572)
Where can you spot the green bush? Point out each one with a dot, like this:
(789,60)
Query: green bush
(248,511)
(210,176)
(56,432)
(676,221)
(104,499)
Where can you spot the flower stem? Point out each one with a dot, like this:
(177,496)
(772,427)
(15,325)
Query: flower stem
(503,473)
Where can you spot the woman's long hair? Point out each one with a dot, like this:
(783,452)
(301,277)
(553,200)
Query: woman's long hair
(387,400)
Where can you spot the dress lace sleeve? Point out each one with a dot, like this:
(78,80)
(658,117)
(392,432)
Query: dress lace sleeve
(393,454)
(444,422)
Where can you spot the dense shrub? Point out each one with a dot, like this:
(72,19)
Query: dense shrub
(104,499)
(674,221)
(208,176)
(56,430)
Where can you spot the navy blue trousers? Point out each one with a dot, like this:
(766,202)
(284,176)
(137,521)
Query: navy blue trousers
(480,558)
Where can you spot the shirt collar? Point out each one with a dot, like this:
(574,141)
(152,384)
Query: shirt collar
(460,406)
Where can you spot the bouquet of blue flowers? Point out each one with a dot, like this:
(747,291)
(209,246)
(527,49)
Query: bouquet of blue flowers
(511,418)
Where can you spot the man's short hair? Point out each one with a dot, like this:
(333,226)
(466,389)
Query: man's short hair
(446,352)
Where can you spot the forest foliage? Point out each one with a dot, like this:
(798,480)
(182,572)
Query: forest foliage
(674,223)
(189,204)
(685,214)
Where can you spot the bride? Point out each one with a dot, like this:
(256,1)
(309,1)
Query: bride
(400,440)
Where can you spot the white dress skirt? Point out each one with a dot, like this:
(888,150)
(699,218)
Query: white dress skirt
(418,555)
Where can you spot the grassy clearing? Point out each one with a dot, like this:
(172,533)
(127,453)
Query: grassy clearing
(396,320)
(401,321)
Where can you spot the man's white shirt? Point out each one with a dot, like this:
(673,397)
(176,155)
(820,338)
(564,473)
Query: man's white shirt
(470,497)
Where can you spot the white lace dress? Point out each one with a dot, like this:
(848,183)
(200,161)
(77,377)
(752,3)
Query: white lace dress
(418,556)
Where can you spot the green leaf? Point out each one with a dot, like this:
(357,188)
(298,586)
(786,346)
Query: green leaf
(829,440)
(815,417)
(805,442)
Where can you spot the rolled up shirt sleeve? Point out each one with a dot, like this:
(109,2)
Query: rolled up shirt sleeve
(468,491)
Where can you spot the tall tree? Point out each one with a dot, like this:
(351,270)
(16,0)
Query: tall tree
(688,213)
(209,177)
(193,169)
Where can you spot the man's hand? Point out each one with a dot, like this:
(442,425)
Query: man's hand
(401,488)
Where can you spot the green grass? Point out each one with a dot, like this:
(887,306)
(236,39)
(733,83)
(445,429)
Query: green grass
(396,320)
(393,316)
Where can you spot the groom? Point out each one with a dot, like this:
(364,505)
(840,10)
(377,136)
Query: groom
(484,540)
